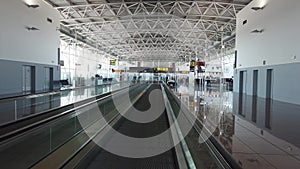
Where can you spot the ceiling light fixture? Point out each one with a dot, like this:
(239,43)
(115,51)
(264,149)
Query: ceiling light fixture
(257,31)
(258,8)
(31,5)
(31,28)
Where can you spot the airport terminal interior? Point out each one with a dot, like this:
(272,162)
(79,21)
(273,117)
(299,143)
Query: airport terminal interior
(146,84)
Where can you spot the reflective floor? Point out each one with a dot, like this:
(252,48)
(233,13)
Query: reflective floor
(259,133)
(16,108)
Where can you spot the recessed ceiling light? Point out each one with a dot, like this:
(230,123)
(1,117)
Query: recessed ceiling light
(257,8)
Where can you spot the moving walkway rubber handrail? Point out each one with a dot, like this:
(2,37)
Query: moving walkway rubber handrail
(43,162)
(213,145)
(36,104)
(2,125)
(15,128)
(19,97)
(184,156)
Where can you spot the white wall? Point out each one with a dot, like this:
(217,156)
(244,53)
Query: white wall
(278,45)
(279,42)
(19,44)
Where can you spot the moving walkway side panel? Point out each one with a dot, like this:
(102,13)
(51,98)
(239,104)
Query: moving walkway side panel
(104,158)
(27,149)
(14,128)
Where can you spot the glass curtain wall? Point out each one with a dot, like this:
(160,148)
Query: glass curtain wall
(81,65)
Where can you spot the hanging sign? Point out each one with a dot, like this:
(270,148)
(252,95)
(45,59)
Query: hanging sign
(112,62)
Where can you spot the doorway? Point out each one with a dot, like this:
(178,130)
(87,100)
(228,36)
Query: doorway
(255,82)
(243,82)
(242,92)
(269,96)
(254,97)
(48,81)
(241,85)
(28,79)
(269,86)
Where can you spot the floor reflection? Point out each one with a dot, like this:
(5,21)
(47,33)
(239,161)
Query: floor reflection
(259,133)
(254,109)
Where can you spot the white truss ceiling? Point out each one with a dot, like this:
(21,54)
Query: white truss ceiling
(150,30)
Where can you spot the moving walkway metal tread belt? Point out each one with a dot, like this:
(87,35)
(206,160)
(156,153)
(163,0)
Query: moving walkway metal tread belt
(167,160)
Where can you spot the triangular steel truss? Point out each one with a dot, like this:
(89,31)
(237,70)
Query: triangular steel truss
(152,30)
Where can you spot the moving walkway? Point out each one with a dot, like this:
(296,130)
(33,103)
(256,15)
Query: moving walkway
(82,137)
